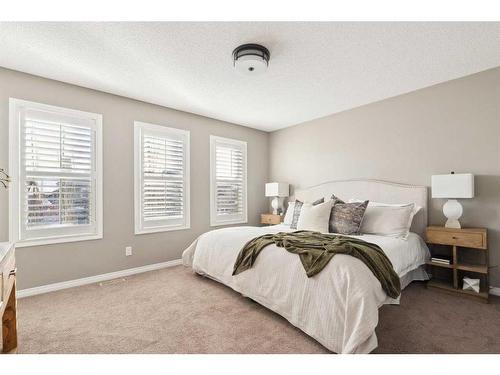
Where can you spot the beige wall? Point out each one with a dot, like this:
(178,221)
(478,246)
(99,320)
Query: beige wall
(454,126)
(54,263)
(451,126)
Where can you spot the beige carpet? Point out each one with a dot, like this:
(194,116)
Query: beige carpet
(175,311)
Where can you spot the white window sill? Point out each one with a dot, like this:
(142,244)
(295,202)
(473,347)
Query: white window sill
(160,229)
(228,222)
(56,240)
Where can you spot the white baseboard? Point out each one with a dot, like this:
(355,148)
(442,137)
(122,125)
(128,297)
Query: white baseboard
(495,291)
(94,279)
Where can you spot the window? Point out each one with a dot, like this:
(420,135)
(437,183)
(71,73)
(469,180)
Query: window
(161,178)
(56,165)
(228,181)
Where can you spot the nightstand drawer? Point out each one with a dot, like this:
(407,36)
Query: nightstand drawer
(270,219)
(466,239)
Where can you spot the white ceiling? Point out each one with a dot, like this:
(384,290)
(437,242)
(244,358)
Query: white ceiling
(315,69)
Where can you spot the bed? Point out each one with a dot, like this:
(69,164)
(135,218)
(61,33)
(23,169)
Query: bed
(339,306)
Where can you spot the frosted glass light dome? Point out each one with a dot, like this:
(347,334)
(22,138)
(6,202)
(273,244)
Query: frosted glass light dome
(251,59)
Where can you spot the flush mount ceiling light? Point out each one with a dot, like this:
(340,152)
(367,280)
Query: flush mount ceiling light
(251,58)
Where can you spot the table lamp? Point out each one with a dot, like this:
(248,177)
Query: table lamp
(453,186)
(277,190)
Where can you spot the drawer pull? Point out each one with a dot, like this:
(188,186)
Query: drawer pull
(455,238)
(13,272)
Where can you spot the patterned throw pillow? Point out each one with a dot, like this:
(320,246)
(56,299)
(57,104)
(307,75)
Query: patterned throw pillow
(346,218)
(296,214)
(298,208)
(287,220)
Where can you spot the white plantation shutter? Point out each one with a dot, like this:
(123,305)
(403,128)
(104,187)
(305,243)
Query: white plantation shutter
(228,181)
(162,178)
(58,185)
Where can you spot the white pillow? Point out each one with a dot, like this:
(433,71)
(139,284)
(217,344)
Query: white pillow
(385,219)
(289,213)
(315,218)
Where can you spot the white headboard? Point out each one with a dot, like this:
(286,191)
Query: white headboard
(374,190)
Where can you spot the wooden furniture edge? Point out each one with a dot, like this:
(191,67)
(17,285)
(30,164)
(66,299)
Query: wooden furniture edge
(9,310)
(9,323)
(466,230)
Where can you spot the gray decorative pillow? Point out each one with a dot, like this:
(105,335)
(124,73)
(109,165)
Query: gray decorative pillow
(346,218)
(298,207)
(296,214)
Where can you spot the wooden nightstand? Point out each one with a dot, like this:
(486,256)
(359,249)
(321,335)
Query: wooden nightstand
(463,247)
(270,219)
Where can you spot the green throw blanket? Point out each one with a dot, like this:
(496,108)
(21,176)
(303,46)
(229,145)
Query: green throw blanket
(316,250)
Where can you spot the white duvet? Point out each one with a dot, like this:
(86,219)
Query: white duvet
(338,306)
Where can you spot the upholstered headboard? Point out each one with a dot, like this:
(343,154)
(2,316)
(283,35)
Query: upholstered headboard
(374,190)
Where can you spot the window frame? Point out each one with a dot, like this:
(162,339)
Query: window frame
(139,128)
(214,218)
(16,107)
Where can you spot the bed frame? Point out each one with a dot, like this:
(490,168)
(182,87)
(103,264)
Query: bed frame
(374,190)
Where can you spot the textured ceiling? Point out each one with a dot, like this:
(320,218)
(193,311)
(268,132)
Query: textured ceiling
(316,68)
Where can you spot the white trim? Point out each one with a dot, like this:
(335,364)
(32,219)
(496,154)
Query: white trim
(60,239)
(495,291)
(15,106)
(14,157)
(164,130)
(214,221)
(95,279)
(160,229)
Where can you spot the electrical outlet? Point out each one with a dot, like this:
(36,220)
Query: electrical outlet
(128,251)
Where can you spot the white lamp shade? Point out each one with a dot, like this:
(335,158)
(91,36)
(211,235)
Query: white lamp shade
(453,185)
(277,189)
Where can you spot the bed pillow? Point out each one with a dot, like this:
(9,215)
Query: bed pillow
(289,213)
(315,217)
(392,220)
(295,214)
(346,218)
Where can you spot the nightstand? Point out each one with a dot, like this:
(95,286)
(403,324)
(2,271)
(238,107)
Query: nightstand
(467,250)
(270,219)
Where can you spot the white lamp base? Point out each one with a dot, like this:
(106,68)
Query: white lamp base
(453,210)
(275,204)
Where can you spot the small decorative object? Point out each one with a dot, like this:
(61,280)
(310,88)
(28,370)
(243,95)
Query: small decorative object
(4,178)
(277,190)
(471,284)
(453,186)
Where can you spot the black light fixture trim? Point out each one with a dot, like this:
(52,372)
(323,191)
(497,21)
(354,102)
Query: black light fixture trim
(253,50)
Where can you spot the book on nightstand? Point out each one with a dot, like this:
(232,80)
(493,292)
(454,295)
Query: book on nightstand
(441,260)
